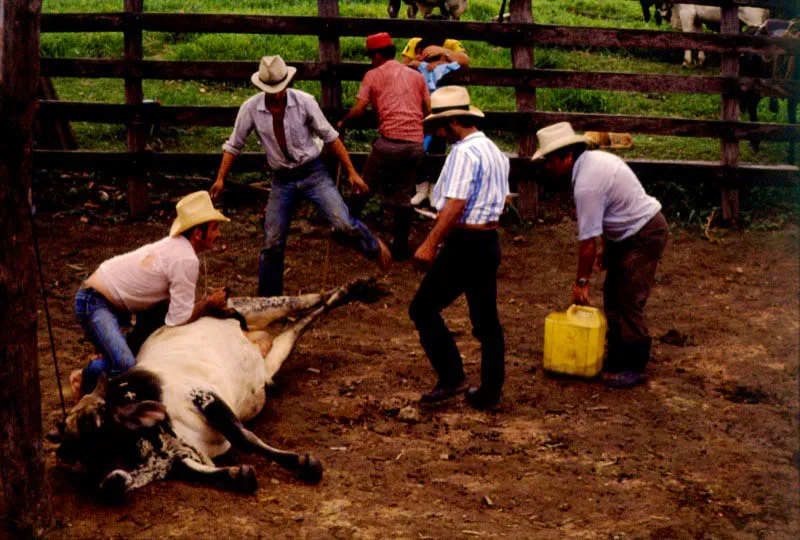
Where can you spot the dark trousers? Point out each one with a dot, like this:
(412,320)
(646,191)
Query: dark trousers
(391,171)
(467,263)
(630,274)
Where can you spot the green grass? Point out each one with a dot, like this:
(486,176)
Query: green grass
(221,47)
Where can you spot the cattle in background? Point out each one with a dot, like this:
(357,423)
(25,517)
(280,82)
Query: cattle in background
(184,402)
(770,66)
(452,9)
(692,18)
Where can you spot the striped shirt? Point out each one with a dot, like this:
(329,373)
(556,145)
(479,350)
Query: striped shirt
(475,171)
(303,122)
(396,93)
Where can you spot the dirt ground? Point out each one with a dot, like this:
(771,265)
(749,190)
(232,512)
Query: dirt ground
(707,449)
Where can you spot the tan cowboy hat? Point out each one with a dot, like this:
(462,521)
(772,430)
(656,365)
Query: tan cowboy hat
(273,74)
(194,209)
(554,137)
(451,101)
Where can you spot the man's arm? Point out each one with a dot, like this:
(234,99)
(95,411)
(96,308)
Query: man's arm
(356,111)
(448,217)
(587,250)
(426,106)
(215,304)
(337,147)
(224,168)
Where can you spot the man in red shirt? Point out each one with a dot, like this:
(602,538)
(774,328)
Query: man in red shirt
(400,99)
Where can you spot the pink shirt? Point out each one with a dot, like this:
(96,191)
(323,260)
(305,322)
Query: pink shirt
(396,92)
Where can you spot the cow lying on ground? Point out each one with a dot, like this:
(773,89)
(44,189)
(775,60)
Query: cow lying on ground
(691,18)
(185,400)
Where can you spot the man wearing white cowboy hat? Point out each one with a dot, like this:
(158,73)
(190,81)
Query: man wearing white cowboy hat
(156,282)
(469,195)
(620,229)
(288,124)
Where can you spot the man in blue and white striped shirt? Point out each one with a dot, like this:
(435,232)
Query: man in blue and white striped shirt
(469,195)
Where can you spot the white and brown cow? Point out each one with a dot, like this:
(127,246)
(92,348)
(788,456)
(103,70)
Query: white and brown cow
(691,18)
(184,402)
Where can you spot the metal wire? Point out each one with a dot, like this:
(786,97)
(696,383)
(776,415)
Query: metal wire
(47,312)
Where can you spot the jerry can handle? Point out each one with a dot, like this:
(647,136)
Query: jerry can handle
(580,311)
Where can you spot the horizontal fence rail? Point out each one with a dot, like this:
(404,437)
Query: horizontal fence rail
(521,36)
(501,34)
(515,122)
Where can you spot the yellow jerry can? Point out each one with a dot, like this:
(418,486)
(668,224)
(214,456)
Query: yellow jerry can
(575,341)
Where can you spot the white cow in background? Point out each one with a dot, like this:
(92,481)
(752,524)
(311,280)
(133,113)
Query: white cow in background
(185,400)
(452,9)
(691,18)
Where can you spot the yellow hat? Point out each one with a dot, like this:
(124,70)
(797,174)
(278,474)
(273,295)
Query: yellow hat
(194,209)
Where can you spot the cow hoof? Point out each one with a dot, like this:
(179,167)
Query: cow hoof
(114,486)
(244,479)
(310,470)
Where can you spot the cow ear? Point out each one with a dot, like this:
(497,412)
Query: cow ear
(144,414)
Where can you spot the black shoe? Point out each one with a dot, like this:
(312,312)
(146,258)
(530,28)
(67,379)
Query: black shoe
(625,379)
(478,400)
(442,392)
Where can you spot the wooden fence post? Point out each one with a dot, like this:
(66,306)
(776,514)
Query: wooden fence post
(21,460)
(730,111)
(134,54)
(329,53)
(522,58)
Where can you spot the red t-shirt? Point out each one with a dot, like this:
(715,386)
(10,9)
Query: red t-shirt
(396,92)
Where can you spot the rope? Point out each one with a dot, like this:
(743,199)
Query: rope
(47,313)
(325,265)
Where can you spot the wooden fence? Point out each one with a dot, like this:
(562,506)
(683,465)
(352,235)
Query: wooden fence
(520,35)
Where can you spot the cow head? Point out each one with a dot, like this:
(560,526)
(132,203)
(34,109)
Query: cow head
(83,423)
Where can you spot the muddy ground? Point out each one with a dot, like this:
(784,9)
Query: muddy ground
(707,449)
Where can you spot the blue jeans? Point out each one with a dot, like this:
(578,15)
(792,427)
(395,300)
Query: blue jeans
(102,323)
(312,181)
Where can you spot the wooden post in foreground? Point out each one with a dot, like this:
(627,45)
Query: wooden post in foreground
(134,53)
(522,58)
(329,54)
(21,461)
(730,111)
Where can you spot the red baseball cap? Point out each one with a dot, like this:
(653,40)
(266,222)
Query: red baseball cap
(379,41)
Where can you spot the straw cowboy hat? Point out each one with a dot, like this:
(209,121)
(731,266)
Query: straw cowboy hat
(557,136)
(273,74)
(451,101)
(194,209)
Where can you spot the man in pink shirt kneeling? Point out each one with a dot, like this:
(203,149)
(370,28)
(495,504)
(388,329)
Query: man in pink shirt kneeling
(400,98)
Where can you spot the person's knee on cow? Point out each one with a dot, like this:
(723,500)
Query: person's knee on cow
(400,99)
(157,282)
(620,230)
(289,124)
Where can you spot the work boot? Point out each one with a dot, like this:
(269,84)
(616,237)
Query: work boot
(442,392)
(632,363)
(480,400)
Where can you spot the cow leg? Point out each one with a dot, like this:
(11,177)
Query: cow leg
(242,478)
(259,311)
(394,8)
(222,418)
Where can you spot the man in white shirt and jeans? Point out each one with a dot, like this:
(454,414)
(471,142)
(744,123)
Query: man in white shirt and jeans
(620,229)
(156,282)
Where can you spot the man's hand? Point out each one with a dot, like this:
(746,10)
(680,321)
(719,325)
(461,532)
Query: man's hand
(423,258)
(339,125)
(434,52)
(216,189)
(359,186)
(580,295)
(218,298)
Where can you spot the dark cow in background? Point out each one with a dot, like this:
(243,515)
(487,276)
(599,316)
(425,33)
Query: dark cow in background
(772,66)
(184,402)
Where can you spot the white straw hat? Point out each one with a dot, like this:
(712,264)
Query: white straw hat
(273,74)
(554,137)
(194,209)
(451,101)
